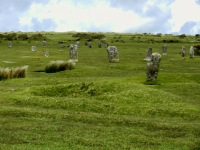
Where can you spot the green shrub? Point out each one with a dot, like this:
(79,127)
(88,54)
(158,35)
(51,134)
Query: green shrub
(59,65)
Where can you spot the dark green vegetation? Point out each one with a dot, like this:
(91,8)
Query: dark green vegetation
(100,105)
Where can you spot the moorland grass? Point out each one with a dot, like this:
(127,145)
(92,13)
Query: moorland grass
(100,105)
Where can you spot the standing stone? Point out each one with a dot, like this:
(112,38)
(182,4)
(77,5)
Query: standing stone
(148,54)
(9,44)
(112,54)
(89,44)
(191,52)
(106,44)
(164,49)
(73,52)
(62,45)
(153,67)
(86,43)
(44,43)
(46,54)
(99,44)
(33,48)
(183,52)
(78,43)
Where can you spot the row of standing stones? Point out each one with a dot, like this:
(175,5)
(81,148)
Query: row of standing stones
(153,59)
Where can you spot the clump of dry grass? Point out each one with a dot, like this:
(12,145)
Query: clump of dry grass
(7,73)
(59,65)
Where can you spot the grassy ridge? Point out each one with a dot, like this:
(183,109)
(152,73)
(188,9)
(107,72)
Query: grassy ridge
(100,105)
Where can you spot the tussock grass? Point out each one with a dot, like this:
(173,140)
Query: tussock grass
(59,65)
(19,72)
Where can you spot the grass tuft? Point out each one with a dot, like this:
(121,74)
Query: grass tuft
(19,72)
(59,65)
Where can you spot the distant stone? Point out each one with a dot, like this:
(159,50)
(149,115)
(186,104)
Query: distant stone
(183,52)
(99,44)
(44,43)
(89,44)
(9,44)
(148,54)
(46,54)
(33,48)
(78,43)
(73,52)
(164,49)
(112,54)
(153,67)
(191,52)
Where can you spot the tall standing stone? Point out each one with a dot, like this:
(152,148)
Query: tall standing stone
(153,67)
(112,54)
(89,44)
(148,54)
(73,52)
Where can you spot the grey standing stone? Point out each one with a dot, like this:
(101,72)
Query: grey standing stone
(164,49)
(148,54)
(73,52)
(99,44)
(46,54)
(78,43)
(44,43)
(9,44)
(183,52)
(112,54)
(153,67)
(89,44)
(33,48)
(191,52)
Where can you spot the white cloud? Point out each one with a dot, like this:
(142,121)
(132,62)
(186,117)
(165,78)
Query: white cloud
(184,11)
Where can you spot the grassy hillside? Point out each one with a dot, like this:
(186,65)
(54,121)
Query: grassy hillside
(100,105)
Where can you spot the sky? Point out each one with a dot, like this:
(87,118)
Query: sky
(123,16)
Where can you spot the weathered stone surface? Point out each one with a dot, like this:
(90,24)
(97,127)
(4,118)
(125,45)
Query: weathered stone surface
(9,44)
(112,54)
(191,52)
(73,52)
(33,48)
(148,54)
(153,67)
(183,52)
(164,49)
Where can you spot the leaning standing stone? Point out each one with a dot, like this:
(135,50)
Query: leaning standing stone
(112,54)
(153,67)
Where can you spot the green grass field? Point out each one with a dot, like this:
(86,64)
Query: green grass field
(100,105)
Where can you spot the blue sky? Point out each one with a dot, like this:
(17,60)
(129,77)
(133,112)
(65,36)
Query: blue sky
(151,16)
